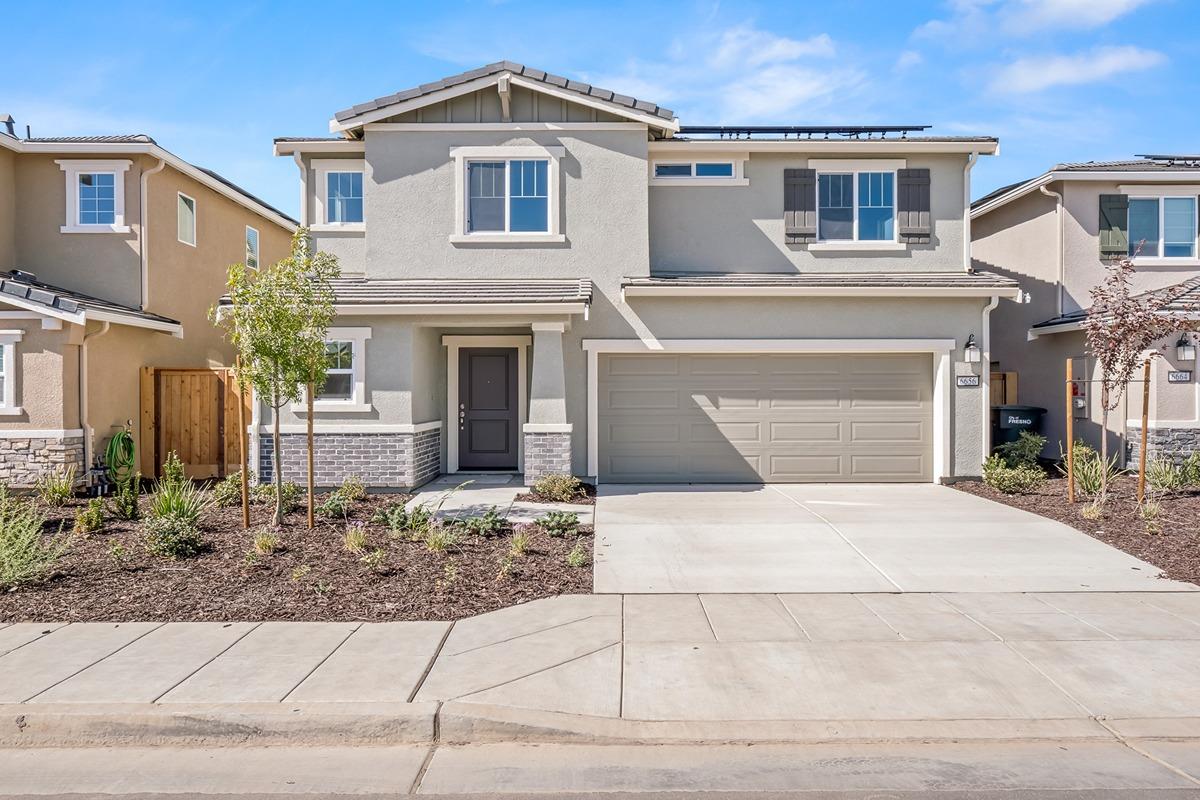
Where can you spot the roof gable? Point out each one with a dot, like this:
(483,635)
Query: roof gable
(492,75)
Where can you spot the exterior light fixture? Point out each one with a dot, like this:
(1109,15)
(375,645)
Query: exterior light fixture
(1185,349)
(971,350)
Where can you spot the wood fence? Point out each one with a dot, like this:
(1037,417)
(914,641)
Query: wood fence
(193,412)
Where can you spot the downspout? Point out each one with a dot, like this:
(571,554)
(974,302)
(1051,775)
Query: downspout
(971,159)
(299,159)
(1061,254)
(143,239)
(986,369)
(83,393)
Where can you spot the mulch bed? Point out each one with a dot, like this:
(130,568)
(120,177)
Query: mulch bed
(1171,542)
(109,576)
(588,498)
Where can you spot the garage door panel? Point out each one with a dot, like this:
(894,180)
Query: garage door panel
(772,417)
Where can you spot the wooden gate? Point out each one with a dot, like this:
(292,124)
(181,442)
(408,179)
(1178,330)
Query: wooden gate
(193,412)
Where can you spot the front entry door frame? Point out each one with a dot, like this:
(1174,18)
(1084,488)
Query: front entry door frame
(453,345)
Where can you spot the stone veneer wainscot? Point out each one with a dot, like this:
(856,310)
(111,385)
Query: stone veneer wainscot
(1173,443)
(24,460)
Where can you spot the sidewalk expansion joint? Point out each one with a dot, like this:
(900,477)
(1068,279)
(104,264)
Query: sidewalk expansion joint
(94,663)
(320,663)
(528,633)
(429,667)
(540,671)
(1145,753)
(433,746)
(179,682)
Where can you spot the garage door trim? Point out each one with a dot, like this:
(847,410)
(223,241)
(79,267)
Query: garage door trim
(939,350)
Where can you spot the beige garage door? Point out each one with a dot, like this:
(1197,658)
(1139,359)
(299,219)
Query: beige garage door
(777,418)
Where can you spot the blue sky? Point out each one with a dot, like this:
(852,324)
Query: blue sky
(1056,80)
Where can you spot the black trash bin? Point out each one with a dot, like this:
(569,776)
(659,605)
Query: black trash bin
(1009,420)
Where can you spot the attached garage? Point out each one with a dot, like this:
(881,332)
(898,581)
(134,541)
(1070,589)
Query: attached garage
(675,417)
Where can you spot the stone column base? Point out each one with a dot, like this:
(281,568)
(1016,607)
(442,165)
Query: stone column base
(1173,444)
(401,460)
(24,460)
(547,451)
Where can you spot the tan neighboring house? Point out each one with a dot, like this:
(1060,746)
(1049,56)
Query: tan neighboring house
(541,275)
(112,251)
(1055,233)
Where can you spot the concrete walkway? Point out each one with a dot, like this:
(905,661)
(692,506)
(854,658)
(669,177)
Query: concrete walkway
(483,492)
(839,538)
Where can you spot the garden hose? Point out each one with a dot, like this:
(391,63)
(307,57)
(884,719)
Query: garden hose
(118,456)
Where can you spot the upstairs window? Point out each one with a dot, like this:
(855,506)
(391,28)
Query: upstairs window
(688,171)
(511,196)
(97,198)
(186,219)
(856,206)
(343,197)
(251,248)
(1162,227)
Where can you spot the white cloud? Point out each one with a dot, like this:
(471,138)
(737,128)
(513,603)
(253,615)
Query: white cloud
(1035,73)
(1033,15)
(909,59)
(752,47)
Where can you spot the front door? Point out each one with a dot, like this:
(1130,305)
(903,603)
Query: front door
(488,423)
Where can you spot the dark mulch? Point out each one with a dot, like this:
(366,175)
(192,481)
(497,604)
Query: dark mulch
(588,498)
(109,576)
(1171,542)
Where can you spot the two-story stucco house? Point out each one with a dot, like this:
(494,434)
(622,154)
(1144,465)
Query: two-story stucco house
(112,251)
(1055,233)
(542,275)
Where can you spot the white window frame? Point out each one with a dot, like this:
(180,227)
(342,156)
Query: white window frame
(463,155)
(257,247)
(691,160)
(357,402)
(322,167)
(853,167)
(1159,193)
(8,341)
(72,170)
(195,219)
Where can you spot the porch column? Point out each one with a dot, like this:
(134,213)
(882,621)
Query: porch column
(547,434)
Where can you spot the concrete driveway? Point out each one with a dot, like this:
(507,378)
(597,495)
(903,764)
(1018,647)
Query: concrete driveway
(837,538)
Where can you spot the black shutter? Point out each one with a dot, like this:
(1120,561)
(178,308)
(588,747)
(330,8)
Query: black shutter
(799,205)
(912,206)
(1114,225)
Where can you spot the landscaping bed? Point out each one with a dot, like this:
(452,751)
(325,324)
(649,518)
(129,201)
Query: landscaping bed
(377,575)
(1169,541)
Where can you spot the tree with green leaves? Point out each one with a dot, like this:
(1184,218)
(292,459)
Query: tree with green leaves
(278,319)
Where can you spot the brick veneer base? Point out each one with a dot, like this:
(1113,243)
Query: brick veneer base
(23,461)
(1174,444)
(381,460)
(546,453)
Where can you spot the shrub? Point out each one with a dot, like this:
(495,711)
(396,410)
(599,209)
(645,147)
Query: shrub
(440,538)
(1092,511)
(172,470)
(353,489)
(172,537)
(1150,510)
(355,539)
(265,493)
(374,559)
(266,542)
(1024,452)
(1010,480)
(124,503)
(1091,473)
(336,504)
(506,568)
(558,488)
(228,491)
(578,557)
(559,523)
(57,487)
(182,501)
(1191,469)
(25,555)
(487,524)
(90,518)
(519,544)
(1165,476)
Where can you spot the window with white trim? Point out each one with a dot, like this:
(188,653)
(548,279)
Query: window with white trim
(95,196)
(339,371)
(1163,227)
(251,247)
(508,196)
(8,372)
(700,170)
(695,169)
(856,206)
(345,386)
(186,219)
(343,198)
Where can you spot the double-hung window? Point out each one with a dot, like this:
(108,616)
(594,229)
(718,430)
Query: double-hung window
(508,196)
(856,206)
(345,386)
(95,196)
(343,197)
(1162,227)
(339,372)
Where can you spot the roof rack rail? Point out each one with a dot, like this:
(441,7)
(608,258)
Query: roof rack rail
(801,131)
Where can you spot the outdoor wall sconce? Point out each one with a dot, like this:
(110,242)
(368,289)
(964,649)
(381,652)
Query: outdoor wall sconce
(971,350)
(1185,350)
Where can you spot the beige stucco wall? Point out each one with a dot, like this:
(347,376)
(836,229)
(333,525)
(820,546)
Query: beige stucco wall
(8,208)
(46,377)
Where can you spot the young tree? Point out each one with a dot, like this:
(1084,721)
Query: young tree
(278,318)
(1121,327)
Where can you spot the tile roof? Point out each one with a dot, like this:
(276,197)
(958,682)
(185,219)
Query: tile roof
(124,138)
(1183,299)
(219,177)
(371,291)
(578,87)
(948,280)
(1147,165)
(25,286)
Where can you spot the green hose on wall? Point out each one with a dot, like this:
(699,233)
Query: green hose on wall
(119,456)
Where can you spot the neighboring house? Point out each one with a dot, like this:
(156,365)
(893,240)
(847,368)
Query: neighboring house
(1055,233)
(542,275)
(112,251)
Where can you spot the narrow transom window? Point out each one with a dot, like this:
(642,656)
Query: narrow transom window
(97,198)
(187,219)
(339,374)
(344,197)
(251,248)
(696,169)
(508,196)
(1162,227)
(856,206)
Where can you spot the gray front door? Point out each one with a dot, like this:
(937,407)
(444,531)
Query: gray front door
(488,422)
